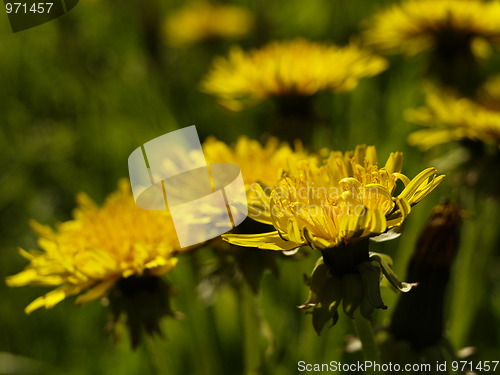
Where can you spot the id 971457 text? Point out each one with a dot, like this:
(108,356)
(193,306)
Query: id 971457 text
(25,8)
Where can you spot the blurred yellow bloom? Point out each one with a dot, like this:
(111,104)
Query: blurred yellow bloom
(258,163)
(200,20)
(100,246)
(414,26)
(451,118)
(296,67)
(489,94)
(346,198)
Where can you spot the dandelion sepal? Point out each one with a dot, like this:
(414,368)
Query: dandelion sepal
(316,283)
(370,277)
(347,274)
(326,308)
(353,293)
(128,299)
(391,276)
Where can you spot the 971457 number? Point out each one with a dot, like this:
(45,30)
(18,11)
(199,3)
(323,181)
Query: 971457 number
(25,8)
(480,366)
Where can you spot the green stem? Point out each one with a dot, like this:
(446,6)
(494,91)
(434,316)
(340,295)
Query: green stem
(156,354)
(201,326)
(479,242)
(251,330)
(364,331)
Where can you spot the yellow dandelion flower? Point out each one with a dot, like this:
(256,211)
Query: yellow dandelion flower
(200,21)
(86,256)
(414,26)
(261,166)
(489,94)
(297,67)
(341,201)
(250,155)
(451,118)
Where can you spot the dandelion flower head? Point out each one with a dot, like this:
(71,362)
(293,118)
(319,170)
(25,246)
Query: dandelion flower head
(202,20)
(86,256)
(414,26)
(450,118)
(259,163)
(346,198)
(288,68)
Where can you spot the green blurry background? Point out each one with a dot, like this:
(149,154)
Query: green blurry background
(79,94)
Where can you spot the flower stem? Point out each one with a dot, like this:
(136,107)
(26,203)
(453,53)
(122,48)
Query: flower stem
(364,331)
(251,330)
(155,350)
(479,242)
